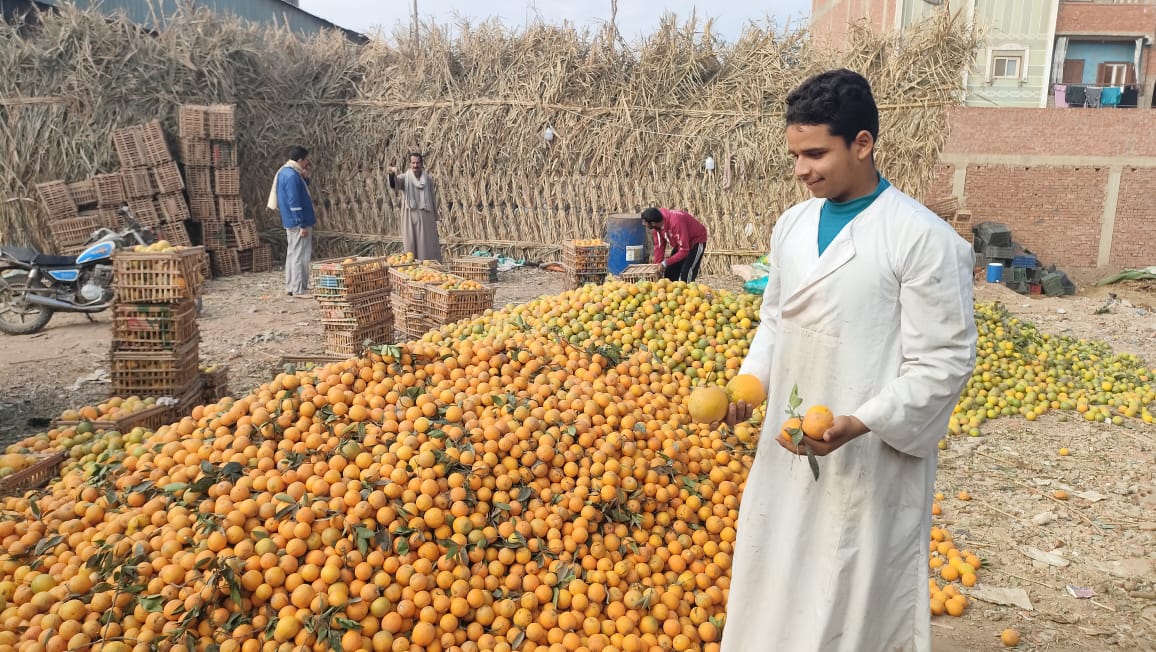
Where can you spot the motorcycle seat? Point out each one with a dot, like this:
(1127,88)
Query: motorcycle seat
(33,257)
(45,260)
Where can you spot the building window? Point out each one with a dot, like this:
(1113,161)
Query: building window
(1006,66)
(1115,73)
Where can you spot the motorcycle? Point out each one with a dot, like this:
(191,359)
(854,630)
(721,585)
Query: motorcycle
(34,286)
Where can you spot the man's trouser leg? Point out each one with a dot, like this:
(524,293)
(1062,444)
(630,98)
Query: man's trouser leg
(294,251)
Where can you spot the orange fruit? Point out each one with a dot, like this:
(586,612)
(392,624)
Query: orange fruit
(748,389)
(1009,637)
(817,421)
(708,404)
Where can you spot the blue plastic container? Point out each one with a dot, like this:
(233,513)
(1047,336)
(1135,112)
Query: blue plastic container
(995,272)
(626,235)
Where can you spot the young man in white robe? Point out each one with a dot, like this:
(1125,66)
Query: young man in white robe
(868,310)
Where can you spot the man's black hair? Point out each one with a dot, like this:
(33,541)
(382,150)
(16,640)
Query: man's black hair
(840,99)
(417,154)
(652,215)
(297,152)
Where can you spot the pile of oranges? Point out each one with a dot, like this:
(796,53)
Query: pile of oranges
(500,488)
(528,480)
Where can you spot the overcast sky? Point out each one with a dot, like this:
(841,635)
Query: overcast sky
(635,17)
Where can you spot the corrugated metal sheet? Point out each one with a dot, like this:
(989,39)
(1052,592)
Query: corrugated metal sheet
(152,13)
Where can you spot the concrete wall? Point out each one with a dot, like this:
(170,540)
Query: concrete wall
(1077,187)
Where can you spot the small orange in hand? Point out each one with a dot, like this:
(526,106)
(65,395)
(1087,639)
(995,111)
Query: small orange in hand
(748,389)
(817,420)
(790,424)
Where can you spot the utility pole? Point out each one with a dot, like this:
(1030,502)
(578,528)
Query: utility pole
(415,25)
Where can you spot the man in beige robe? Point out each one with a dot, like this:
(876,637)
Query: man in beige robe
(419,209)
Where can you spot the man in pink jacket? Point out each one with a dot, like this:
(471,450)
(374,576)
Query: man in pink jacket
(686,237)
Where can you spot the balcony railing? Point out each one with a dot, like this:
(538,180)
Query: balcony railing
(1096,97)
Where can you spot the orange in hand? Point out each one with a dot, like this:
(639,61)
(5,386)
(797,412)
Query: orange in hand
(817,420)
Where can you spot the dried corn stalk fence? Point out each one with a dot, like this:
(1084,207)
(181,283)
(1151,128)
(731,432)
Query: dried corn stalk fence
(632,126)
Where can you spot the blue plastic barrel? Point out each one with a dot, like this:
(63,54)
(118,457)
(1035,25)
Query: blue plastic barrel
(626,235)
(994,272)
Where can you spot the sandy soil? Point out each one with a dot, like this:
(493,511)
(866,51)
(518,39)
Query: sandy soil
(1105,534)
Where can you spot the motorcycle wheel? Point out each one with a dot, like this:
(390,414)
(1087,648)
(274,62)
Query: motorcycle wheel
(16,318)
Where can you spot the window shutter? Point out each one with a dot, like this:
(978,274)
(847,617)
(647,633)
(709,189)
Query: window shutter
(1102,74)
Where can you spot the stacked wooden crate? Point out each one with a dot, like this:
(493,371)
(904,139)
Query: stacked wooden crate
(426,297)
(635,273)
(155,347)
(76,210)
(208,150)
(353,294)
(152,183)
(585,262)
(483,269)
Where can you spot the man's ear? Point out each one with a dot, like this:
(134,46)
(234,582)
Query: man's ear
(864,145)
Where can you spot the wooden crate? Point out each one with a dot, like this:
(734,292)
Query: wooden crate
(362,310)
(351,341)
(176,234)
(213,234)
(446,306)
(34,476)
(641,273)
(130,147)
(227,181)
(154,326)
(203,210)
(57,200)
(224,154)
(199,182)
(172,207)
(168,178)
(241,234)
(262,258)
(156,148)
(343,277)
(483,269)
(585,258)
(74,231)
(225,262)
(83,193)
(575,280)
(196,152)
(192,122)
(155,373)
(141,277)
(151,417)
(109,190)
(214,383)
(138,183)
(222,121)
(230,209)
(144,211)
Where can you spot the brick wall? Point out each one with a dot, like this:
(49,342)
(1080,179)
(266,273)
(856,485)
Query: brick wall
(1134,239)
(1053,211)
(1046,174)
(1070,132)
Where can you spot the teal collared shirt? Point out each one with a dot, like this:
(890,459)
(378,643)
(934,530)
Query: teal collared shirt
(833,216)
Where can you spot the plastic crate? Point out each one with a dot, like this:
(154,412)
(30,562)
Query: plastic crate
(57,200)
(138,183)
(109,190)
(230,209)
(483,269)
(1052,284)
(145,277)
(155,373)
(345,277)
(34,476)
(199,183)
(1025,260)
(130,147)
(225,262)
(168,178)
(999,252)
(83,193)
(994,233)
(227,181)
(351,342)
(192,122)
(74,231)
(156,148)
(642,273)
(360,310)
(222,121)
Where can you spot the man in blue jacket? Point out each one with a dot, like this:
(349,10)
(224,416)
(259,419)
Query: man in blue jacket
(290,196)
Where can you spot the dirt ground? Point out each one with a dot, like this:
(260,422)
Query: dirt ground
(1103,538)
